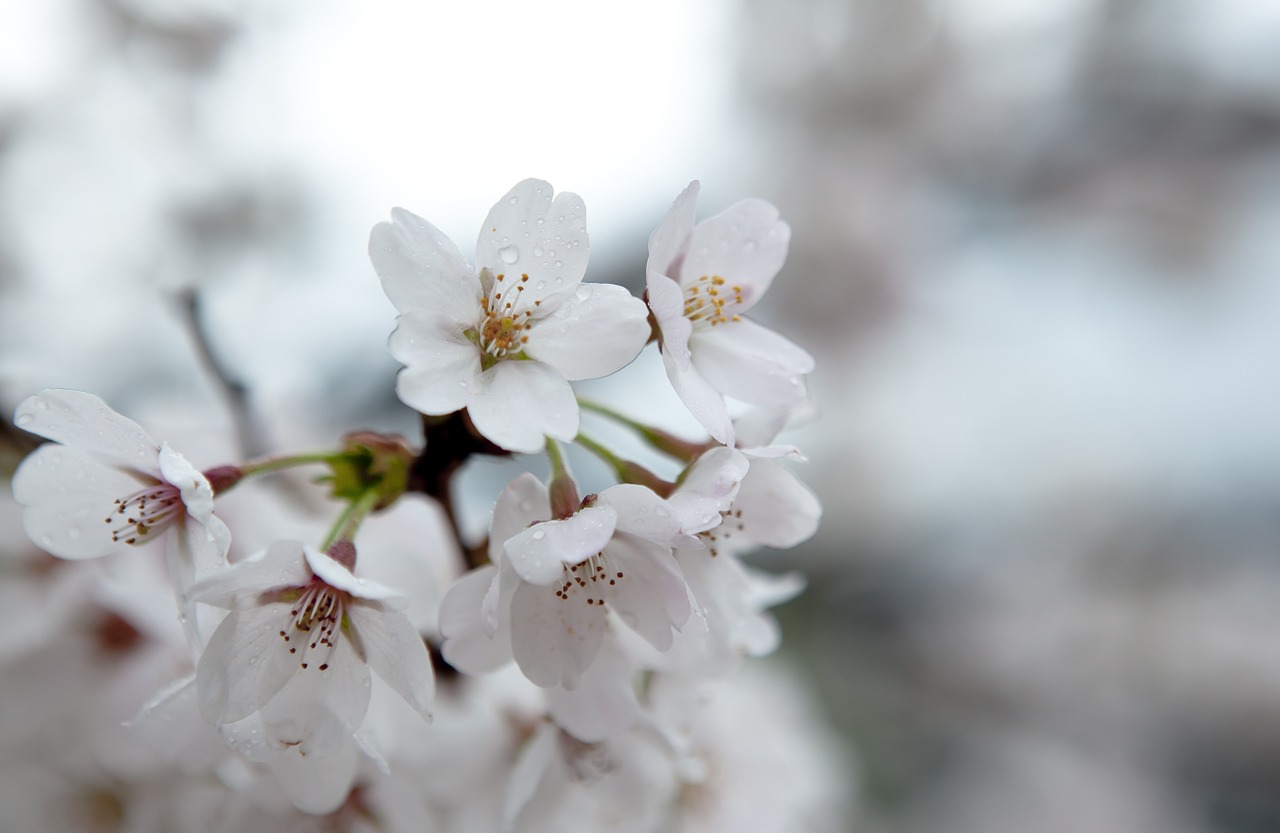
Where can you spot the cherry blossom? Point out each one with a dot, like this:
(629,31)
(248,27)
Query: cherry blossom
(298,646)
(104,486)
(700,280)
(504,339)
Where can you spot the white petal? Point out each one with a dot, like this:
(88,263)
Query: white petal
(595,332)
(68,494)
(441,365)
(708,488)
(703,401)
(670,239)
(778,510)
(316,784)
(643,513)
(743,360)
(518,404)
(667,303)
(528,234)
(244,665)
(531,769)
(318,710)
(604,704)
(524,501)
(554,640)
(421,269)
(241,585)
(539,553)
(746,244)
(335,575)
(396,653)
(651,598)
(467,647)
(83,421)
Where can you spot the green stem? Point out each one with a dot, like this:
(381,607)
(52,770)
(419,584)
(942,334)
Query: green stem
(563,489)
(344,528)
(266,465)
(625,470)
(656,438)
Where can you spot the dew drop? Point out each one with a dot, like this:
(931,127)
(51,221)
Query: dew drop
(537,251)
(551,252)
(539,534)
(46,541)
(541,220)
(559,264)
(514,200)
(509,254)
(541,285)
(73,532)
(462,383)
(253,660)
(559,281)
(24,419)
(749,247)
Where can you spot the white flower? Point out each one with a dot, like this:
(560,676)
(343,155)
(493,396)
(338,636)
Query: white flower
(107,486)
(548,603)
(700,279)
(504,340)
(297,647)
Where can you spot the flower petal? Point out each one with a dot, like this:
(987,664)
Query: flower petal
(422,270)
(67,494)
(441,365)
(708,488)
(83,421)
(318,710)
(524,501)
(778,510)
(604,704)
(518,404)
(528,234)
(703,401)
(670,239)
(316,784)
(652,598)
(540,553)
(396,653)
(244,665)
(746,244)
(335,575)
(667,304)
(554,640)
(467,647)
(242,584)
(743,360)
(641,512)
(597,331)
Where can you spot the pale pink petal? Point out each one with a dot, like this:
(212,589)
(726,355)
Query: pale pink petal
(242,584)
(318,710)
(667,303)
(708,488)
(669,240)
(604,704)
(518,404)
(441,365)
(526,233)
(316,784)
(467,647)
(778,510)
(703,401)
(651,598)
(335,575)
(530,771)
(85,422)
(643,513)
(524,501)
(396,653)
(595,332)
(539,553)
(746,245)
(745,361)
(421,269)
(556,638)
(245,664)
(67,494)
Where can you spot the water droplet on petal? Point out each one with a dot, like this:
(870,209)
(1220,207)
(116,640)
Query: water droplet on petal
(749,247)
(514,199)
(541,220)
(24,419)
(539,534)
(73,532)
(462,383)
(46,541)
(559,263)
(541,285)
(509,254)
(253,660)
(537,251)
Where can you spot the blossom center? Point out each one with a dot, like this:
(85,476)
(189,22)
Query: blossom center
(314,620)
(506,321)
(592,580)
(144,513)
(730,522)
(711,300)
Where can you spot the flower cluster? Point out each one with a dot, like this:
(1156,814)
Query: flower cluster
(576,645)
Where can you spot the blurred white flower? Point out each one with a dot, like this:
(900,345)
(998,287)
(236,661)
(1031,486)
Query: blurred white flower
(298,645)
(504,340)
(700,279)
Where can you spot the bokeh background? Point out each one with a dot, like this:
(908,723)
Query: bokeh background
(1035,252)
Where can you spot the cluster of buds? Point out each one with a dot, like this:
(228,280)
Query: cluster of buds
(576,644)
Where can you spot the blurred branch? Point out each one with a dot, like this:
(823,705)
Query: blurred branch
(232,390)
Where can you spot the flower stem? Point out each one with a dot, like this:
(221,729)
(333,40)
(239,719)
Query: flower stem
(656,438)
(266,465)
(563,489)
(625,470)
(344,528)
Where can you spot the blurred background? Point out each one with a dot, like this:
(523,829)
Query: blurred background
(1035,251)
